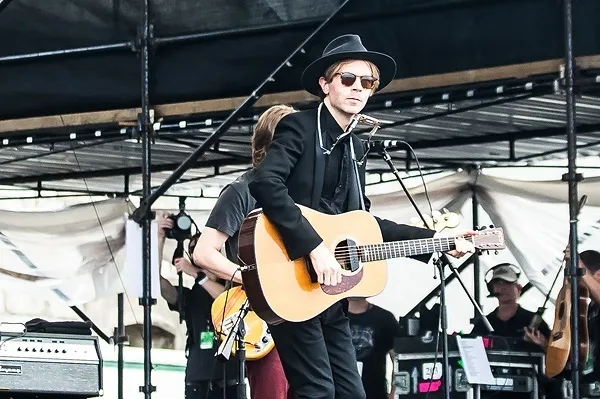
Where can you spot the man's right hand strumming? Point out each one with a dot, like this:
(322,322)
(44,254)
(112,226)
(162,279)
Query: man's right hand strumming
(327,268)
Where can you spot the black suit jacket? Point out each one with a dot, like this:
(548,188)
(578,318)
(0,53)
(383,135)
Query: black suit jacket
(292,173)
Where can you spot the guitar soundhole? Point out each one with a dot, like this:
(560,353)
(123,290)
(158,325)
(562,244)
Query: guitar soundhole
(346,254)
(561,310)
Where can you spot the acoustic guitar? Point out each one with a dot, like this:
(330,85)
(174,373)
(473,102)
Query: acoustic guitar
(558,351)
(224,313)
(283,289)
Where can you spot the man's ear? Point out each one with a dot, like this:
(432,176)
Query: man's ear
(324,85)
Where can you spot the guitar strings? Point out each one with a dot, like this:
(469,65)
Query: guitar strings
(348,252)
(403,249)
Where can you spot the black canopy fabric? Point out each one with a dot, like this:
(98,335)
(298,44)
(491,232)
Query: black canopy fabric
(246,39)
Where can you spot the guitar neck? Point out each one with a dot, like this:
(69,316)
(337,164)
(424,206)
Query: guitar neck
(402,249)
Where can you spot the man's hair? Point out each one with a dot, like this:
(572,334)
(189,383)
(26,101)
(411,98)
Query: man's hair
(263,132)
(591,260)
(336,67)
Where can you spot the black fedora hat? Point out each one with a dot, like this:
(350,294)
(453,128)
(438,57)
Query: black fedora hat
(344,48)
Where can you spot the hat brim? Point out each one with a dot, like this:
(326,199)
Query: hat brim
(505,279)
(312,73)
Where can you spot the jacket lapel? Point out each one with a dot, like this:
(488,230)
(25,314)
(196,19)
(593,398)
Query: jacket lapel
(319,173)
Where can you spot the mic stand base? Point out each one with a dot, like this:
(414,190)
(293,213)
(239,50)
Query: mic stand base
(441,262)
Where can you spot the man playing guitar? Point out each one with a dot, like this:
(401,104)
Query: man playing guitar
(313,162)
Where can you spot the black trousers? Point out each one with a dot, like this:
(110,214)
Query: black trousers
(318,356)
(208,390)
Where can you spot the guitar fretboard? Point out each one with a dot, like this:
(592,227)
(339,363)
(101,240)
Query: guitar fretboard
(399,249)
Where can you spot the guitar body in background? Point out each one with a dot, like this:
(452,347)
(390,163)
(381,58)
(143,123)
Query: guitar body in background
(257,336)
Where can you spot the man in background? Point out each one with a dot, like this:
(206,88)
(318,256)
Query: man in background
(373,330)
(509,319)
(205,378)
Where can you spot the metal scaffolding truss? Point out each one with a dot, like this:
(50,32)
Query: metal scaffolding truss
(500,119)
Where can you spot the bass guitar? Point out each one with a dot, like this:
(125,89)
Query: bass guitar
(225,311)
(283,289)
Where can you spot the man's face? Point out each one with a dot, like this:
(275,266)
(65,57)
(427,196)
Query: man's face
(506,292)
(351,99)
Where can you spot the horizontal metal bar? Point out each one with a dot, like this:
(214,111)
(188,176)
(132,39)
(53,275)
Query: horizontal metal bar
(494,138)
(111,172)
(557,151)
(54,152)
(71,51)
(85,134)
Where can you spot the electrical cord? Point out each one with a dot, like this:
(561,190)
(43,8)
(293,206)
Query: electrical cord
(112,256)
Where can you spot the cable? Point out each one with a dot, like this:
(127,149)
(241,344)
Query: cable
(414,154)
(112,256)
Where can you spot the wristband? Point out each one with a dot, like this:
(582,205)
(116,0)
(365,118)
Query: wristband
(201,278)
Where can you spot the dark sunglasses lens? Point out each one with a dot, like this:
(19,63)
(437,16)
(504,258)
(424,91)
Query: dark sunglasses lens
(348,79)
(367,82)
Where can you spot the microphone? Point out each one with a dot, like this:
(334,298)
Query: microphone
(368,120)
(380,145)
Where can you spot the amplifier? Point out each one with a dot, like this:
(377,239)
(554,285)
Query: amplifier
(515,364)
(50,364)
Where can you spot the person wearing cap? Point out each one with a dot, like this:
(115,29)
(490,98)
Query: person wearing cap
(509,319)
(313,161)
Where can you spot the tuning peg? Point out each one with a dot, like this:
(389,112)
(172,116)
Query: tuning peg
(496,252)
(491,226)
(487,252)
(479,252)
(483,227)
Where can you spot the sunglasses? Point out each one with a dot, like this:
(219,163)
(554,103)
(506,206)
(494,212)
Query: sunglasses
(367,82)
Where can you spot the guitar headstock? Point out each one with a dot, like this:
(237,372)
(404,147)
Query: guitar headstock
(489,239)
(438,220)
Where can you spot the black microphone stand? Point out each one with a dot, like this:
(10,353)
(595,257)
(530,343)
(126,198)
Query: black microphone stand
(237,333)
(440,262)
(176,255)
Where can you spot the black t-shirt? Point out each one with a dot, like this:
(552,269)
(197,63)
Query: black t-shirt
(373,335)
(513,327)
(232,207)
(201,361)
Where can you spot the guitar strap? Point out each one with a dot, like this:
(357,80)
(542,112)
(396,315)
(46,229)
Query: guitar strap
(319,174)
(355,187)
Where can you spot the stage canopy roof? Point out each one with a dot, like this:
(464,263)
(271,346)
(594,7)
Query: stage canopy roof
(478,83)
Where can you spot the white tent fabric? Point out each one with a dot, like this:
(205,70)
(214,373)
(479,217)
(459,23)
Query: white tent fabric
(78,252)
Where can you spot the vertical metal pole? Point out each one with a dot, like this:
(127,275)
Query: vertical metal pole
(144,129)
(572,182)
(120,334)
(446,379)
(476,265)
